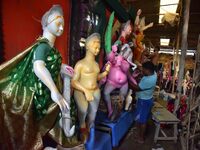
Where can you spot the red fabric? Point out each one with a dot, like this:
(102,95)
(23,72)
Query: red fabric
(123,40)
(170,107)
(101,57)
(114,38)
(83,130)
(21,28)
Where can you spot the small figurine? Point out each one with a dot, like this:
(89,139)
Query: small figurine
(86,91)
(187,83)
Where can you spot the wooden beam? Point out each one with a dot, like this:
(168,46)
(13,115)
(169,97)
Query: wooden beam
(193,103)
(120,11)
(175,61)
(183,49)
(186,12)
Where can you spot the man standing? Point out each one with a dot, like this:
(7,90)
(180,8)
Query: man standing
(144,95)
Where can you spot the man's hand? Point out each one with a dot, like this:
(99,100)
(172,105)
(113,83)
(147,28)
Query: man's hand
(89,96)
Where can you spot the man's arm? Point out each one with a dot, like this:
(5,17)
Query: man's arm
(134,87)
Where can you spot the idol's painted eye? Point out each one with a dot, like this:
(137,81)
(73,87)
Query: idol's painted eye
(58,23)
(57,19)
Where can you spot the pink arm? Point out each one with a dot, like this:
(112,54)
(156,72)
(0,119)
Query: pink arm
(125,66)
(111,55)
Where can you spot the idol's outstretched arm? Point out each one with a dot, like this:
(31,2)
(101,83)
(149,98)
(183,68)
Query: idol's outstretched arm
(44,75)
(105,73)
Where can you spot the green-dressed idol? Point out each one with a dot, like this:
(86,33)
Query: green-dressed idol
(30,92)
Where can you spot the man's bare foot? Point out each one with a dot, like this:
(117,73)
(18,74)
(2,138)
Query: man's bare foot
(140,141)
(136,135)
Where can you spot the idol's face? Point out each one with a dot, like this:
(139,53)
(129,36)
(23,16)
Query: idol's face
(55,24)
(94,46)
(128,30)
(119,60)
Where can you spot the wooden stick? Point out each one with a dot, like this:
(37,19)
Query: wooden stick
(183,49)
(175,61)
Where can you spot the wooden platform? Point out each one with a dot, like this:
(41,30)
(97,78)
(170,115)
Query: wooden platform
(161,115)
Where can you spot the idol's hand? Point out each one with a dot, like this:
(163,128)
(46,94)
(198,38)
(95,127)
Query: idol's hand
(150,25)
(139,12)
(58,98)
(114,48)
(107,68)
(89,96)
(64,105)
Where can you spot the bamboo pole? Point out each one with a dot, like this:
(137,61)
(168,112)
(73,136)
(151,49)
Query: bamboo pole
(185,11)
(192,105)
(175,61)
(186,8)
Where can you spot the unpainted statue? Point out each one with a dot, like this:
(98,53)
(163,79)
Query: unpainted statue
(86,90)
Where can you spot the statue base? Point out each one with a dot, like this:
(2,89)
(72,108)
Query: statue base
(102,141)
(117,129)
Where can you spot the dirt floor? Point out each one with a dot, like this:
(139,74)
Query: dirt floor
(129,142)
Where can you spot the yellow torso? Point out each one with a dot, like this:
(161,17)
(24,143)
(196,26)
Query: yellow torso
(89,74)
